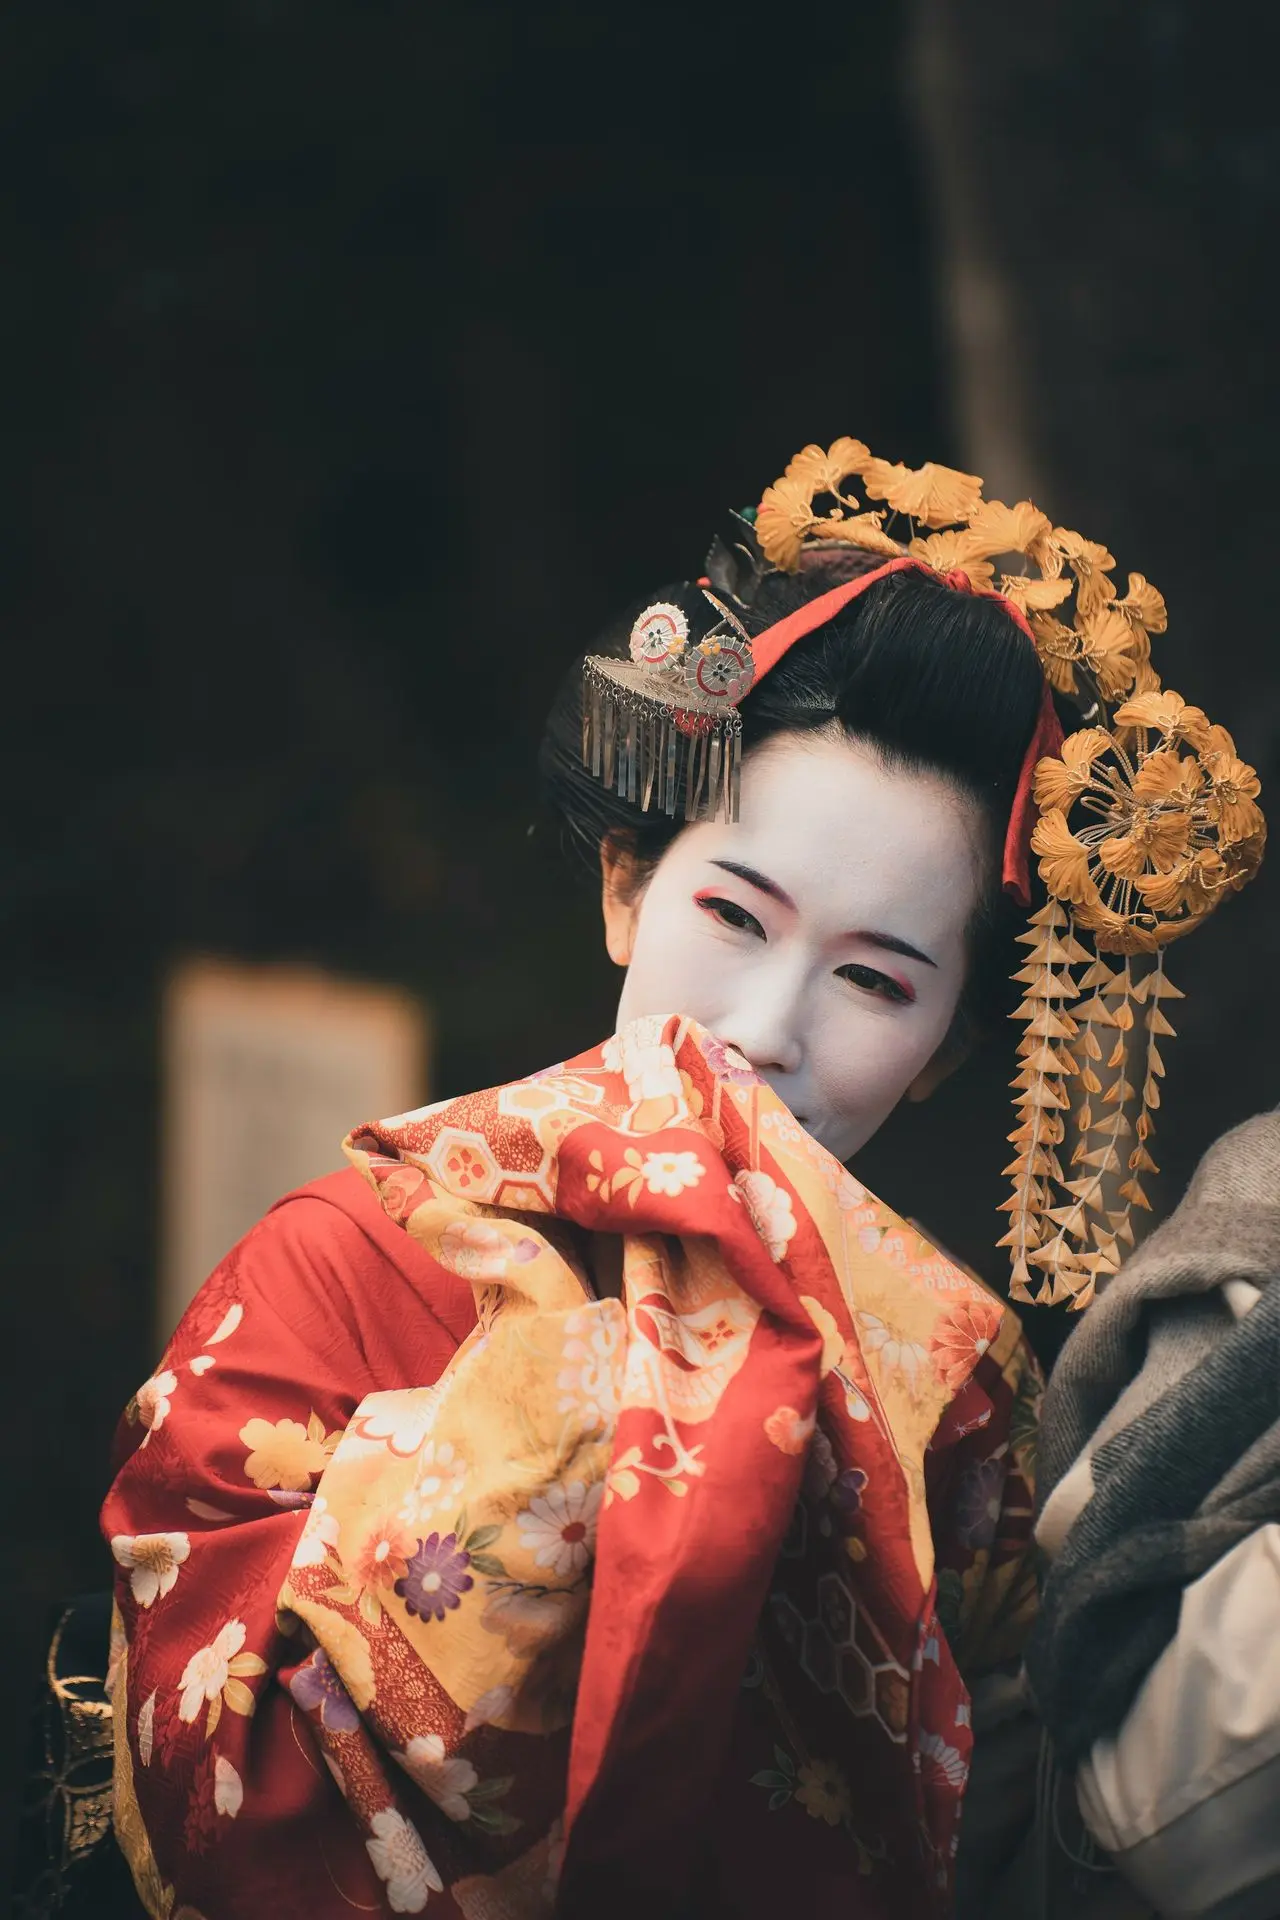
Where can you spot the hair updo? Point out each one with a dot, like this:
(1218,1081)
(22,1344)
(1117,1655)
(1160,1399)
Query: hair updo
(935,679)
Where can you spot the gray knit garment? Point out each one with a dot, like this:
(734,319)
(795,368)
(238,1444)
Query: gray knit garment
(1160,1437)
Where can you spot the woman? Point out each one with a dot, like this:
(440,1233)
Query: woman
(604,1503)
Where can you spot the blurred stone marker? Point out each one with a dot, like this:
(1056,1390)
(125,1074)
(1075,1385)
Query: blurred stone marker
(266,1068)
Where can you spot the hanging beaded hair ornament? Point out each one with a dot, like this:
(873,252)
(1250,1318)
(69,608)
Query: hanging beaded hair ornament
(1143,817)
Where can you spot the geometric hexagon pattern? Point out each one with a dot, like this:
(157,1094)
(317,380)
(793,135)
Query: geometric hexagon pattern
(841,1653)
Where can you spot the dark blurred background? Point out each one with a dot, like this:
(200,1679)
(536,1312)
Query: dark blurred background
(360,361)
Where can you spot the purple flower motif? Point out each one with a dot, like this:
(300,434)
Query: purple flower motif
(728,1064)
(846,1495)
(317,1685)
(436,1577)
(978,1502)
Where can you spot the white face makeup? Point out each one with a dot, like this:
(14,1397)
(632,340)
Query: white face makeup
(822,935)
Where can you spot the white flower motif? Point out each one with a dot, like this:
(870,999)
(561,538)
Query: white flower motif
(402,1419)
(586,1379)
(228,1788)
(318,1536)
(559,1526)
(672,1173)
(490,1707)
(202,1363)
(441,1476)
(153,1400)
(146,1728)
(646,1061)
(475,1250)
(227,1325)
(446,1779)
(207,1671)
(947,1760)
(894,1354)
(401,1862)
(153,1560)
(770,1210)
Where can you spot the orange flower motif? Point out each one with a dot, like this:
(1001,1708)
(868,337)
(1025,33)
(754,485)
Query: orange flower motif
(1017,529)
(1168,714)
(1058,646)
(1195,882)
(784,516)
(1064,860)
(1106,648)
(788,1432)
(1235,788)
(945,551)
(1090,562)
(935,496)
(960,1340)
(1059,782)
(826,472)
(383,1555)
(1033,596)
(1143,606)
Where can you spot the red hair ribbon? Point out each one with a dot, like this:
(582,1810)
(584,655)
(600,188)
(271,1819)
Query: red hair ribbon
(768,648)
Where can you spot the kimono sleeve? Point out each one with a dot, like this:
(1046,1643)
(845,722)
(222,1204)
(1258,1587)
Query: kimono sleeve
(223,1803)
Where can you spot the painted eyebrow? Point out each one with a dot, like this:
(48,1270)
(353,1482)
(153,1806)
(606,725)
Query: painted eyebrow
(887,942)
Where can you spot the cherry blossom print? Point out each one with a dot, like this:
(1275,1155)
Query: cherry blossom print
(477,1251)
(591,1363)
(894,1353)
(401,1862)
(446,1779)
(787,1431)
(559,1527)
(153,1401)
(437,1486)
(490,1709)
(400,1420)
(319,1537)
(402,1189)
(284,1453)
(769,1208)
(146,1728)
(671,1173)
(217,1674)
(152,1560)
(228,1788)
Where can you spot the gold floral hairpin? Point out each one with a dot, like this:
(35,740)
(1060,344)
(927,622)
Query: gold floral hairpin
(1147,820)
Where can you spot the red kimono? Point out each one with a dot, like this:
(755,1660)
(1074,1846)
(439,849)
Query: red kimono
(448,1582)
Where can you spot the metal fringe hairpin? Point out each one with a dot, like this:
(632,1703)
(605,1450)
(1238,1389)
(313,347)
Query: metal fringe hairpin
(665,722)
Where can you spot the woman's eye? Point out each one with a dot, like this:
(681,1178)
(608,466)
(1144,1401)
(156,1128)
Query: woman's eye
(730,914)
(871,980)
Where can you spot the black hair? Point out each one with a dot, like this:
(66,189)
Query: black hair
(936,679)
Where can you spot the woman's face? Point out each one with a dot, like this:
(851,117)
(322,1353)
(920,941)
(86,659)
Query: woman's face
(823,935)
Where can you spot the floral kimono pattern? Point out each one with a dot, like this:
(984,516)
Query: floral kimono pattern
(655,1596)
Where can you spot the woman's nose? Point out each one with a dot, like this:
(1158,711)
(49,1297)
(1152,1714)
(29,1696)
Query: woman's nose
(767,1035)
